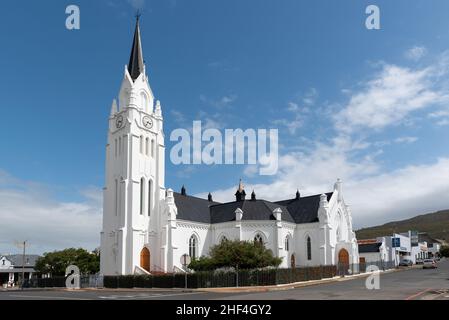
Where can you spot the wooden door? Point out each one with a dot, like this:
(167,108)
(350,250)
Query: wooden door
(145,259)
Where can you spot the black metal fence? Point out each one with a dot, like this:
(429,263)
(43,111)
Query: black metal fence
(216,279)
(242,278)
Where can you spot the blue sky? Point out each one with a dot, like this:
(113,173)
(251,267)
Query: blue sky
(368,106)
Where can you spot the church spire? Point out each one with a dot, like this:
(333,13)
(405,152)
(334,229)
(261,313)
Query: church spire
(136,64)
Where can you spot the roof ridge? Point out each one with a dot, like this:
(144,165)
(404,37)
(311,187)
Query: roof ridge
(195,197)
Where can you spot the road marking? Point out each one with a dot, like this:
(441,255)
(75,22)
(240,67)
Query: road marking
(418,294)
(44,297)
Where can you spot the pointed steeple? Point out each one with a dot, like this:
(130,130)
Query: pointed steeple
(136,64)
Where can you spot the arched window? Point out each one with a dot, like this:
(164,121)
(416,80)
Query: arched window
(309,249)
(193,247)
(144,100)
(149,198)
(147,146)
(141,144)
(152,148)
(286,244)
(116,197)
(258,238)
(142,196)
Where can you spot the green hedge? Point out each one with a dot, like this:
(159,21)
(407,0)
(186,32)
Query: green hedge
(204,279)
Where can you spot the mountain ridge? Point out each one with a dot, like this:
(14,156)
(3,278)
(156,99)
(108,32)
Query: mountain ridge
(435,224)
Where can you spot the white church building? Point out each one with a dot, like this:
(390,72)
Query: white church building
(148,228)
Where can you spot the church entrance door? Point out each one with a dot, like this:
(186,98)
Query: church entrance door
(343,262)
(145,259)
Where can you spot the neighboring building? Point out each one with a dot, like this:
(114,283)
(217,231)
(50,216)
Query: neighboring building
(433,245)
(147,228)
(397,250)
(372,251)
(11,268)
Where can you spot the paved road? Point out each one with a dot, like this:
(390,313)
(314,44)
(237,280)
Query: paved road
(413,284)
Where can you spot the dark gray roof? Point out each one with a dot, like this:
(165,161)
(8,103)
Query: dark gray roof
(305,209)
(302,210)
(369,247)
(17,260)
(136,64)
(252,210)
(193,208)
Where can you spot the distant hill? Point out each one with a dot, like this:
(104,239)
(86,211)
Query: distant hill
(435,224)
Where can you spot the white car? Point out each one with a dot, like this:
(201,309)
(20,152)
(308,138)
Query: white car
(429,264)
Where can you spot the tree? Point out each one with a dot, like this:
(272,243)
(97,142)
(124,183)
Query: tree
(444,251)
(55,263)
(238,255)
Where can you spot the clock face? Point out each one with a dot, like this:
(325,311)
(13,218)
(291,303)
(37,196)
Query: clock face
(147,122)
(119,122)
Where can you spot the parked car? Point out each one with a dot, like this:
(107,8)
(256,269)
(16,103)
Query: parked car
(429,264)
(406,263)
(419,261)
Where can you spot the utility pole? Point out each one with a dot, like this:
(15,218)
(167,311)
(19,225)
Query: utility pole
(23,264)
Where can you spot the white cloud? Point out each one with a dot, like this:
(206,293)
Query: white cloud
(298,111)
(29,213)
(220,103)
(416,53)
(375,195)
(389,97)
(406,140)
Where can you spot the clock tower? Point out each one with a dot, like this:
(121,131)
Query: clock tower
(134,188)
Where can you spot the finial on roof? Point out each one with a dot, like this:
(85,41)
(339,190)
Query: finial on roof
(253,196)
(298,195)
(209,197)
(183,191)
(241,186)
(240,194)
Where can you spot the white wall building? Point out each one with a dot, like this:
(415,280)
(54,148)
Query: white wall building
(147,228)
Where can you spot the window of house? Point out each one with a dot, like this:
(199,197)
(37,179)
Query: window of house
(286,244)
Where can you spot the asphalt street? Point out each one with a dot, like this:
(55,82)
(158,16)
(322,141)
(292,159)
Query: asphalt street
(410,284)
